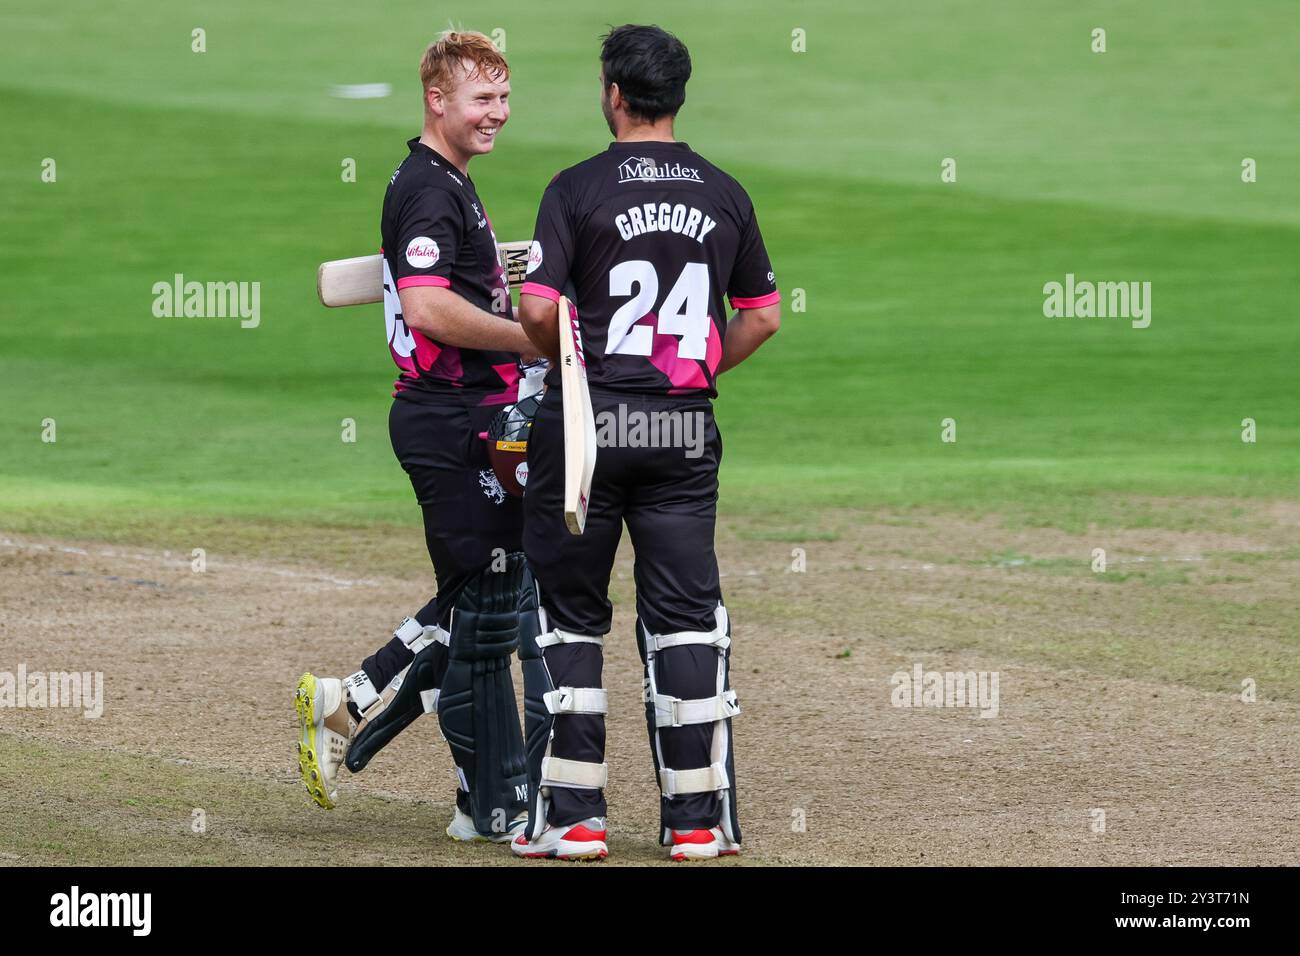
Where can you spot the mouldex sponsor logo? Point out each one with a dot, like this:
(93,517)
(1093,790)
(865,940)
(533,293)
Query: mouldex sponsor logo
(643,169)
(421,252)
(534,256)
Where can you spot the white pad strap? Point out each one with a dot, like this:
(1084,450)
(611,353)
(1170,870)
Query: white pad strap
(716,637)
(431,635)
(674,712)
(577,700)
(657,642)
(363,693)
(710,779)
(408,631)
(574,774)
(429,698)
(551,638)
(416,637)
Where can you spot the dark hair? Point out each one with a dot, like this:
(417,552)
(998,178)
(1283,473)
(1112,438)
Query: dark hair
(650,66)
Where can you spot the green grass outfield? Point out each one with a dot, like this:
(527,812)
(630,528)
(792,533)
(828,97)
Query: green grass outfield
(923,299)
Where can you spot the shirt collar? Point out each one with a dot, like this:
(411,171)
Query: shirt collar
(648,144)
(415,144)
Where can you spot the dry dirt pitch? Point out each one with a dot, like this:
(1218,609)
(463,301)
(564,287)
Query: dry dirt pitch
(199,669)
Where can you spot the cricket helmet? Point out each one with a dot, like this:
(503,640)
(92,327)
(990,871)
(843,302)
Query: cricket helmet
(507,443)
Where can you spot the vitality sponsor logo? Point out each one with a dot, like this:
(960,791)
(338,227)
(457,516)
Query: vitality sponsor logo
(421,252)
(643,169)
(534,256)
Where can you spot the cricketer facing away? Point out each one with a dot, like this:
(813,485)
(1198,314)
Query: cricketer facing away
(457,346)
(646,239)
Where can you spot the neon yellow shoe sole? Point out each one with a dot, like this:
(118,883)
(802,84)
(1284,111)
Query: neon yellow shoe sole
(304,702)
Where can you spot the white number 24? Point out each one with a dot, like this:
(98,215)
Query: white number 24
(685,310)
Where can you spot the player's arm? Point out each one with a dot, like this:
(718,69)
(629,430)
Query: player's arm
(441,314)
(747,330)
(753,294)
(549,259)
(428,230)
(539,317)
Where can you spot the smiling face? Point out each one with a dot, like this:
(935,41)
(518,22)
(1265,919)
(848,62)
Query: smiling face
(470,116)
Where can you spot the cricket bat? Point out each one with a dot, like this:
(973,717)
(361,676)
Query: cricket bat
(579,422)
(360,281)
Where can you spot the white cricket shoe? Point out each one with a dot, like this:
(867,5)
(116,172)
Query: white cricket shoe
(576,841)
(462,828)
(325,729)
(701,845)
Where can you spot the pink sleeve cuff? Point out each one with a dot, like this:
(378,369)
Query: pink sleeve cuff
(409,281)
(772,298)
(536,288)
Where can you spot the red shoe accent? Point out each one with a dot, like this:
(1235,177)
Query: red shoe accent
(580,834)
(695,836)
